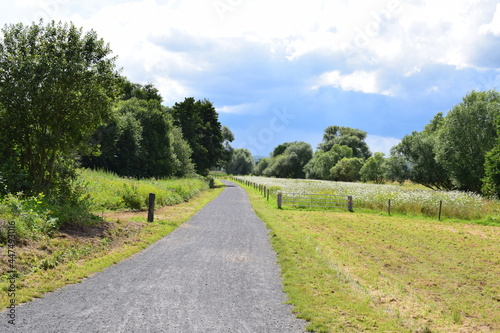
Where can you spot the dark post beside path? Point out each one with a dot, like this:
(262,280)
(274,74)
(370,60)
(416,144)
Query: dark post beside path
(151,208)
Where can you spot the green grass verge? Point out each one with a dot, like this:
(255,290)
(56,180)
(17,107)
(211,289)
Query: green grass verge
(110,192)
(71,255)
(359,272)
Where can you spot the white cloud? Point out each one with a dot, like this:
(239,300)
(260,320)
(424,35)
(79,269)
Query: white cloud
(247,108)
(366,82)
(494,26)
(381,144)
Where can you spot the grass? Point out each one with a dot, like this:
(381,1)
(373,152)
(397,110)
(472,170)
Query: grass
(109,192)
(359,272)
(46,263)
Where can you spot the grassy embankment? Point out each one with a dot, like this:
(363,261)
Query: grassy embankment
(44,262)
(361,272)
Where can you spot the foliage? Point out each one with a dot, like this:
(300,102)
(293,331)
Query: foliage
(31,216)
(467,134)
(261,166)
(143,92)
(373,169)
(346,136)
(417,152)
(347,169)
(241,163)
(491,181)
(396,167)
(288,160)
(323,161)
(200,127)
(141,142)
(57,85)
(228,137)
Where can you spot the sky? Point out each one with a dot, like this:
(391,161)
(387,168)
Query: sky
(281,71)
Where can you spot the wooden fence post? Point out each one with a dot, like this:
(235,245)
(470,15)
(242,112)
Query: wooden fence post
(440,209)
(151,208)
(389,207)
(349,203)
(280,199)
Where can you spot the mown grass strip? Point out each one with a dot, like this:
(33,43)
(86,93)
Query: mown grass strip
(100,255)
(352,272)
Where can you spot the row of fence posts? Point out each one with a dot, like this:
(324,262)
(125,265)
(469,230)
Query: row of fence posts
(264,190)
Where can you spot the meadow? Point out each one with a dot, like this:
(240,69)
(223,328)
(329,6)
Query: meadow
(366,272)
(406,199)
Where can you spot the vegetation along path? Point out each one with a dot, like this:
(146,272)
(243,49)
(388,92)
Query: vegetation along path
(216,273)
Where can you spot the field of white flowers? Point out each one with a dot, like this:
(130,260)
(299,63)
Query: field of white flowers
(404,199)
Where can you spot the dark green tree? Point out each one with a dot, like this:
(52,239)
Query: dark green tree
(396,167)
(57,85)
(418,150)
(467,134)
(347,169)
(346,136)
(323,161)
(242,163)
(262,166)
(202,130)
(373,169)
(289,159)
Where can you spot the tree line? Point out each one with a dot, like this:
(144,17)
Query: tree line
(459,151)
(64,104)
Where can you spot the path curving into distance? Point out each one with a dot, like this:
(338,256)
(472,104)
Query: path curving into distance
(215,273)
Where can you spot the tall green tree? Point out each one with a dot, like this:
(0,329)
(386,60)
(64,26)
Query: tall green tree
(346,136)
(241,163)
(200,127)
(57,85)
(289,159)
(467,134)
(347,169)
(323,161)
(373,169)
(418,150)
(491,181)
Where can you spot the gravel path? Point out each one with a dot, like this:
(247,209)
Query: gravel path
(216,273)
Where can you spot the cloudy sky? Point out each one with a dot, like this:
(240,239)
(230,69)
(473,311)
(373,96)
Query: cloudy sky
(280,71)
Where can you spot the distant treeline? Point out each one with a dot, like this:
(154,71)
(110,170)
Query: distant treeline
(458,151)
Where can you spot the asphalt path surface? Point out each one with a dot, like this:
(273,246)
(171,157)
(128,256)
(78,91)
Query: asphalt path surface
(216,273)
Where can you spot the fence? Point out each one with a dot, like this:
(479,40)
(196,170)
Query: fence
(323,201)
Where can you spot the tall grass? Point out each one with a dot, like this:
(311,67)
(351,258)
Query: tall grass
(404,200)
(35,217)
(110,192)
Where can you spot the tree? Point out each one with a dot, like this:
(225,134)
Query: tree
(468,133)
(228,137)
(373,169)
(323,161)
(262,166)
(141,141)
(491,181)
(241,163)
(396,167)
(346,136)
(142,92)
(289,159)
(200,127)
(347,169)
(57,85)
(418,151)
